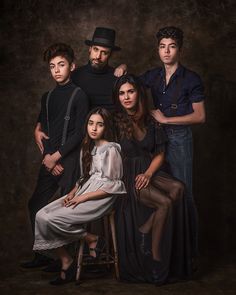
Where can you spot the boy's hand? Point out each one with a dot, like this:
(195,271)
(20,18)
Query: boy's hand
(57,170)
(38,136)
(120,70)
(49,162)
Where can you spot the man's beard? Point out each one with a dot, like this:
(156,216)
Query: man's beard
(99,65)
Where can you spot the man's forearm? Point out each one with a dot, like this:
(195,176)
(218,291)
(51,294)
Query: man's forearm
(185,120)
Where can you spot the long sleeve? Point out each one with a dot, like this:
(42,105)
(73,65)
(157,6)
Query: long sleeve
(42,118)
(81,112)
(111,169)
(112,164)
(39,120)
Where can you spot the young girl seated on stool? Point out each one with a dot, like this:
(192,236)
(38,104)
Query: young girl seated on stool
(62,221)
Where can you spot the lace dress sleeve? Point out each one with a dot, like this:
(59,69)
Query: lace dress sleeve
(112,171)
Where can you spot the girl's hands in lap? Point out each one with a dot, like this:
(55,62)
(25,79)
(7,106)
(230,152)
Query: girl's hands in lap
(68,198)
(76,201)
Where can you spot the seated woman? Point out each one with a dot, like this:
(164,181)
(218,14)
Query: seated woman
(63,220)
(152,224)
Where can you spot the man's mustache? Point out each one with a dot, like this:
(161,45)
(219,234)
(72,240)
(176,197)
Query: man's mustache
(97,60)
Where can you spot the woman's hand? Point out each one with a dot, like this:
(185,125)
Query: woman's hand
(142,181)
(77,200)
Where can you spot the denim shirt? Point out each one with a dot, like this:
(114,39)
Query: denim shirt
(191,90)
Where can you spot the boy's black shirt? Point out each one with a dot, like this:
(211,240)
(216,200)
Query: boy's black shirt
(57,107)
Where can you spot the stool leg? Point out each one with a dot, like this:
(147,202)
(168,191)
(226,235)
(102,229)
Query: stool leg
(113,232)
(106,234)
(80,260)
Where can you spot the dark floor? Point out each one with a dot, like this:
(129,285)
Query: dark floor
(212,278)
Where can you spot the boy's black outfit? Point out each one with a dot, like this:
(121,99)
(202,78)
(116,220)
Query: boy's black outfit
(54,118)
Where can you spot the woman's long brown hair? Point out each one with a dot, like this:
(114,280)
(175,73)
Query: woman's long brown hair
(123,121)
(88,143)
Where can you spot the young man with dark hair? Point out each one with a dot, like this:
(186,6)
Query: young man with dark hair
(62,116)
(179,101)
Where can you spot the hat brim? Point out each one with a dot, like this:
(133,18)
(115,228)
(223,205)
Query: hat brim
(91,43)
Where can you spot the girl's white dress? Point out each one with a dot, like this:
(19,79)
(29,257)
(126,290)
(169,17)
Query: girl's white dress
(57,225)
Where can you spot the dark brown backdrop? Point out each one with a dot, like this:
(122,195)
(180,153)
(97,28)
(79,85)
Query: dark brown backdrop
(29,26)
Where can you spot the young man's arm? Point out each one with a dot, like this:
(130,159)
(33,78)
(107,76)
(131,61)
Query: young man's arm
(198,116)
(50,161)
(39,135)
(196,98)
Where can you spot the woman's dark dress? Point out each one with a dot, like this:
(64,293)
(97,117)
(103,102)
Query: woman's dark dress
(131,214)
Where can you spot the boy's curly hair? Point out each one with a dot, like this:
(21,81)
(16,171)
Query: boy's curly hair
(171,32)
(59,49)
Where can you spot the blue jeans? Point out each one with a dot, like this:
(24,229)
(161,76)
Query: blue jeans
(179,155)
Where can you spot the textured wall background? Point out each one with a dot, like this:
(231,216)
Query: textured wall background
(29,26)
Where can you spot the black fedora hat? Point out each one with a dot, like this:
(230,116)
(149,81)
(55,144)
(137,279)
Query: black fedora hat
(103,37)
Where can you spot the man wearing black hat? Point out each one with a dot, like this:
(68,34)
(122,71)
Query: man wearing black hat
(97,77)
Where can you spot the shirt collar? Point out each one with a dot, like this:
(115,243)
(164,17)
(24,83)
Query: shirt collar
(178,73)
(65,86)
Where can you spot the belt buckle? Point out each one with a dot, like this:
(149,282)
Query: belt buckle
(174,106)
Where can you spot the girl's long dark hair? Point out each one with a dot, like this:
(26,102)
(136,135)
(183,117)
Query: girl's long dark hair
(88,143)
(124,121)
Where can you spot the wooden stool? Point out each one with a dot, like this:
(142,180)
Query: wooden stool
(107,257)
